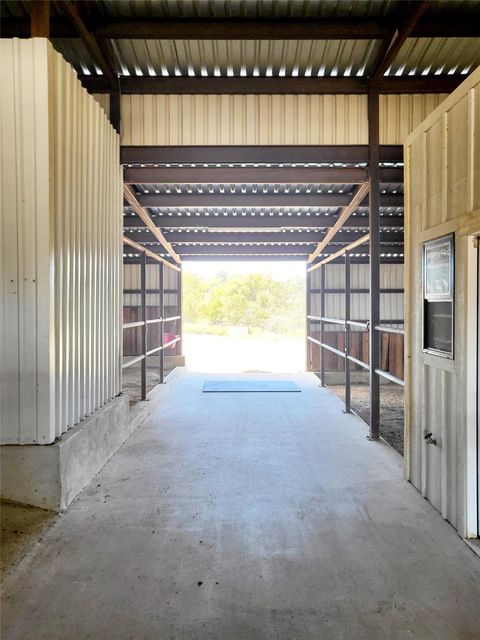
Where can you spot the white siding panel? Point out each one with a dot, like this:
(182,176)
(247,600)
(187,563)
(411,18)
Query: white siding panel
(61,252)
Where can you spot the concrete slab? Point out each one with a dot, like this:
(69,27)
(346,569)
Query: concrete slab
(50,476)
(248,517)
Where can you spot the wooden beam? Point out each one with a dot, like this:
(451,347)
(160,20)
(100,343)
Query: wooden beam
(39,19)
(157,85)
(345,215)
(257,200)
(391,48)
(252,154)
(259,222)
(148,252)
(88,40)
(341,252)
(145,217)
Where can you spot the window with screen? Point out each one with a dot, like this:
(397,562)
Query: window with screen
(438,293)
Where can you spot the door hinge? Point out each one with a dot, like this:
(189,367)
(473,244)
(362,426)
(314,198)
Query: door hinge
(476,242)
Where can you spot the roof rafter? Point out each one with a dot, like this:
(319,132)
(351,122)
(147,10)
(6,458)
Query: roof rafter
(391,48)
(148,252)
(145,217)
(89,41)
(341,252)
(360,194)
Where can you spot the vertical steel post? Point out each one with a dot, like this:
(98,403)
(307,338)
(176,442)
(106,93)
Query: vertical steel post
(322,325)
(308,307)
(143,382)
(161,324)
(347,334)
(374,226)
(179,312)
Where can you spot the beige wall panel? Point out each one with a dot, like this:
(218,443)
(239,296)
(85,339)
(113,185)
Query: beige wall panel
(103,100)
(475,119)
(240,120)
(458,159)
(64,242)
(267,119)
(442,159)
(400,114)
(435,202)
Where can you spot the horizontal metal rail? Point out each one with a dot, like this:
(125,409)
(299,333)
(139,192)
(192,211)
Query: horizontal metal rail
(390,330)
(389,376)
(154,320)
(133,361)
(357,323)
(171,342)
(171,318)
(333,321)
(324,345)
(132,325)
(359,362)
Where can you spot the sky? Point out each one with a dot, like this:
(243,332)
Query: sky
(279,270)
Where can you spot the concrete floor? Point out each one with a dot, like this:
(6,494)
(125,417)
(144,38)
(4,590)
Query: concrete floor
(247,517)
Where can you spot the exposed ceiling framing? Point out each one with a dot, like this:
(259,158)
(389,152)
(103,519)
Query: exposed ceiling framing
(215,202)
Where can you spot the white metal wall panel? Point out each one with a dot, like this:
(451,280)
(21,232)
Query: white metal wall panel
(64,265)
(27,385)
(442,183)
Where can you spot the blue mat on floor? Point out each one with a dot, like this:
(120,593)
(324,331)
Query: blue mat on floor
(250,386)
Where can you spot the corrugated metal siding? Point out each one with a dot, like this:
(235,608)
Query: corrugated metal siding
(27,382)
(226,58)
(131,280)
(63,264)
(427,56)
(261,119)
(442,183)
(400,114)
(391,304)
(103,100)
(248,8)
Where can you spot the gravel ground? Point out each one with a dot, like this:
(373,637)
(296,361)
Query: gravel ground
(391,410)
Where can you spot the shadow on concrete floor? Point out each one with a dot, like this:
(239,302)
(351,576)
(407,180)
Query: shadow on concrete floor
(22,527)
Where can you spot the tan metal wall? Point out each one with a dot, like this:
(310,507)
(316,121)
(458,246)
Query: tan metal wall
(443,196)
(267,119)
(61,247)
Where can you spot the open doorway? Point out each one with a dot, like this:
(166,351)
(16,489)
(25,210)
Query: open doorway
(244,316)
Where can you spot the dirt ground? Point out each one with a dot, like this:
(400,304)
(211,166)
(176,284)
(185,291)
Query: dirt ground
(391,410)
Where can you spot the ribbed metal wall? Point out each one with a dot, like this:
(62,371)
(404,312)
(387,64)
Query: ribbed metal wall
(443,196)
(391,304)
(267,119)
(131,281)
(61,247)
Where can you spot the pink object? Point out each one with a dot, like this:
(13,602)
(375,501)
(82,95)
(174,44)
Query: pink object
(168,337)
